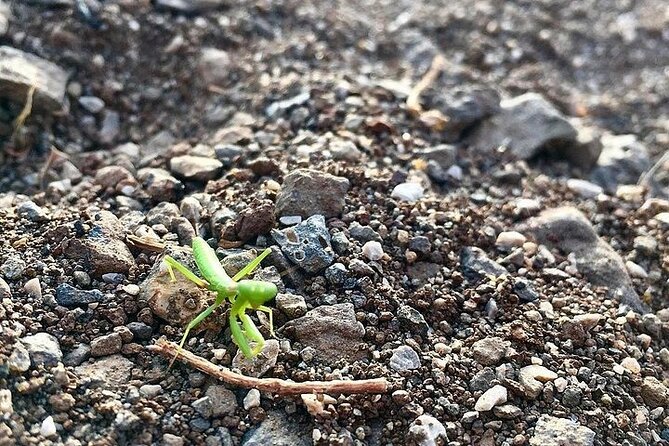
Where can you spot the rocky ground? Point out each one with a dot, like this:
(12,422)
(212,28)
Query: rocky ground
(498,248)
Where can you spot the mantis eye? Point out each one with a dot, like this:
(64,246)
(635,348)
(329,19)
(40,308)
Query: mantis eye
(256,292)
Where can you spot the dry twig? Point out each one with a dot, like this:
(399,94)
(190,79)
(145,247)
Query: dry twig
(273,385)
(413,100)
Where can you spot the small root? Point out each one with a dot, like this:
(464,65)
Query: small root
(272,385)
(413,100)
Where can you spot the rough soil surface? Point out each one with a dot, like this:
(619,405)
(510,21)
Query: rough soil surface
(498,250)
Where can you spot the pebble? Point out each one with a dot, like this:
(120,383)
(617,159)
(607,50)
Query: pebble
(62,402)
(19,360)
(114,370)
(252,399)
(307,192)
(373,250)
(196,168)
(410,192)
(110,127)
(491,398)
(292,305)
(631,364)
(69,296)
(32,212)
(106,344)
(92,104)
(553,431)
(635,270)
(510,239)
(507,411)
(664,357)
(48,427)
(77,355)
(13,267)
(5,290)
(332,331)
(475,264)
(426,430)
(654,393)
(307,244)
(262,363)
(470,417)
(43,349)
(412,319)
(532,377)
(490,351)
(150,390)
(6,405)
(172,440)
(584,188)
(404,358)
(33,288)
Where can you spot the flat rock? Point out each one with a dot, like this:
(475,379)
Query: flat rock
(404,358)
(279,429)
(113,370)
(491,398)
(570,231)
(475,264)
(532,377)
(553,431)
(43,349)
(261,363)
(198,168)
(19,71)
(177,302)
(527,125)
(490,351)
(69,296)
(332,330)
(306,192)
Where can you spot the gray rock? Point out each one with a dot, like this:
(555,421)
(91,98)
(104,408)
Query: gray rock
(214,66)
(362,233)
(572,396)
(160,185)
(19,71)
(110,127)
(77,355)
(113,370)
(102,249)
(69,296)
(13,267)
(524,290)
(528,125)
(404,358)
(412,319)
(307,244)
(31,211)
(19,360)
(481,380)
(196,168)
(507,411)
(333,331)
(654,393)
(553,431)
(5,15)
(427,431)
(475,264)
(291,305)
(443,154)
(307,192)
(279,430)
(490,351)
(570,231)
(140,330)
(344,151)
(43,349)
(106,344)
(622,161)
(261,363)
(92,104)
(223,401)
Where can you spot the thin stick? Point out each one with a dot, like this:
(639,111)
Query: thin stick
(54,155)
(25,112)
(413,100)
(273,385)
(647,177)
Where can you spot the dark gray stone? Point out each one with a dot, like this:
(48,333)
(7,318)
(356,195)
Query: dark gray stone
(69,296)
(307,244)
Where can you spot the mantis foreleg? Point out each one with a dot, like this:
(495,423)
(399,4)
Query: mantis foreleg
(188,274)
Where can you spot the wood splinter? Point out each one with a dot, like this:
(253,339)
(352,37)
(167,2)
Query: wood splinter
(273,385)
(413,100)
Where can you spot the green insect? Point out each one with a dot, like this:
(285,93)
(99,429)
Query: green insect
(242,294)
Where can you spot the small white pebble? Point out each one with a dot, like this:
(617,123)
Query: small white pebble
(48,428)
(455,172)
(620,370)
(373,250)
(131,289)
(631,364)
(33,288)
(219,353)
(560,384)
(252,399)
(510,239)
(636,270)
(584,188)
(410,192)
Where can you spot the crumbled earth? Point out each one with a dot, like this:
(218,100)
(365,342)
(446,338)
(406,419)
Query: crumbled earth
(499,253)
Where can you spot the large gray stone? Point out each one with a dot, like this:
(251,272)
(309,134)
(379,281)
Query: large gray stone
(553,431)
(19,71)
(279,430)
(306,192)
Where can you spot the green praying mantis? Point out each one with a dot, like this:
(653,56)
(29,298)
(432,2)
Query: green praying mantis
(242,294)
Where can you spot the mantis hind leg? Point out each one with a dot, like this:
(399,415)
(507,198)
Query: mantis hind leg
(194,323)
(253,333)
(252,265)
(188,274)
(269,312)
